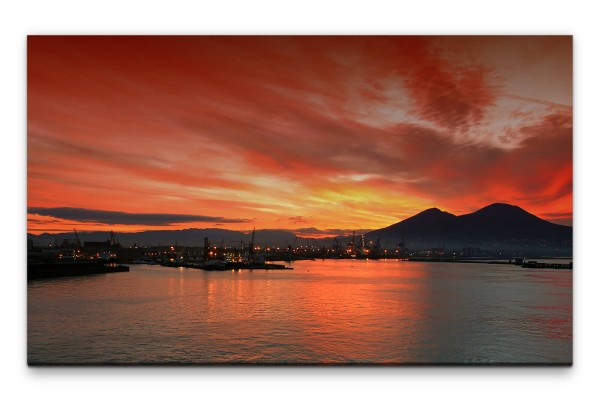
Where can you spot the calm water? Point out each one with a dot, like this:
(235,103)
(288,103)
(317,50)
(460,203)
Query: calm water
(333,311)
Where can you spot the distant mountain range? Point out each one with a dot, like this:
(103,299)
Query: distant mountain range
(497,226)
(186,237)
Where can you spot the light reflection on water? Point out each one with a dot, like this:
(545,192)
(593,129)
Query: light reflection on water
(332,311)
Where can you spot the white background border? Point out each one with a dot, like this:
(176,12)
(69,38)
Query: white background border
(579,18)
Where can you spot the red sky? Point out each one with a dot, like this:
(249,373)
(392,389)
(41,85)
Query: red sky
(331,133)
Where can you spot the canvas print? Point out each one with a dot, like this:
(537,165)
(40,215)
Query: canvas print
(299,200)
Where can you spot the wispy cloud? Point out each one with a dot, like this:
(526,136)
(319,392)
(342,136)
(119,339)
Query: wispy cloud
(112,217)
(351,131)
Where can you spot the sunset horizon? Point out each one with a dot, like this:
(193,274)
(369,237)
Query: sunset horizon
(294,132)
(106,221)
(300,200)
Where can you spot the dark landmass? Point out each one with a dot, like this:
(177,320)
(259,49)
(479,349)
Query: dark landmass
(495,228)
(67,269)
(240,266)
(186,237)
(528,264)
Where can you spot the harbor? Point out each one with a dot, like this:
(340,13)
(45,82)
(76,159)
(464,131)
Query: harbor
(72,257)
(79,258)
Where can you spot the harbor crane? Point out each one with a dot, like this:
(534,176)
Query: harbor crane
(401,244)
(377,246)
(114,242)
(291,249)
(205,253)
(77,239)
(352,244)
(251,245)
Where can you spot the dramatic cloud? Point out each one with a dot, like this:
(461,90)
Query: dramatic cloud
(108,217)
(454,98)
(355,132)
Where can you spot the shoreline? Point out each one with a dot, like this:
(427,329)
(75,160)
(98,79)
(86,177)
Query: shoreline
(71,269)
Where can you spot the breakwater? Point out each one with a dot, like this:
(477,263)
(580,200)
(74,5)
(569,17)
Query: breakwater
(239,266)
(532,264)
(67,269)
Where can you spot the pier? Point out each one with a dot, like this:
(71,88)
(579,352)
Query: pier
(236,266)
(69,269)
(532,264)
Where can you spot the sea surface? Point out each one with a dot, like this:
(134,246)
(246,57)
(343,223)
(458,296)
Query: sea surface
(322,312)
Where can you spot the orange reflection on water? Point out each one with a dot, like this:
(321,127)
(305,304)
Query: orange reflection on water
(333,311)
(329,309)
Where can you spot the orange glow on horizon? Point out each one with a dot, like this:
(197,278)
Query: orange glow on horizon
(331,133)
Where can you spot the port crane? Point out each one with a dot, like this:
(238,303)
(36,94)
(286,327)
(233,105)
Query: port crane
(220,249)
(77,239)
(401,244)
(205,253)
(114,242)
(377,246)
(336,246)
(251,245)
(291,248)
(352,245)
(401,247)
(318,248)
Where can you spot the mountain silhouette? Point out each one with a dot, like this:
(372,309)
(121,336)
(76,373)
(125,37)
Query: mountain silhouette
(429,224)
(498,224)
(184,237)
(502,221)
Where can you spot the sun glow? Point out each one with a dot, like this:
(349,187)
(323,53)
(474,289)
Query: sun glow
(349,132)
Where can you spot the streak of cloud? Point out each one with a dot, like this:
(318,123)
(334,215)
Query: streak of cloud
(112,217)
(352,131)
